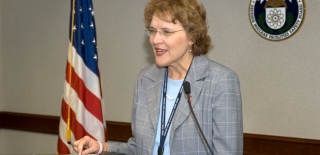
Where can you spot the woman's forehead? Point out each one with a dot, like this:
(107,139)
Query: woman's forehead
(156,21)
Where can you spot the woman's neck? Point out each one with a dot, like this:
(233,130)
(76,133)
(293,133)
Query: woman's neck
(176,73)
(179,70)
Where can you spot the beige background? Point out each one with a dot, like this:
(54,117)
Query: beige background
(279,80)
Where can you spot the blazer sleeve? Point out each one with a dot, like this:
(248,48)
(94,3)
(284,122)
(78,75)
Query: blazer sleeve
(227,115)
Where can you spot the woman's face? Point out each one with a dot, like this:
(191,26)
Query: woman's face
(170,43)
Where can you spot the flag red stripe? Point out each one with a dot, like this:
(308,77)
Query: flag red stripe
(90,101)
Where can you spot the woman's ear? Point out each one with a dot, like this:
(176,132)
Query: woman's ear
(191,42)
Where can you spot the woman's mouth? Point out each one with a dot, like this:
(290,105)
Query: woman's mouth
(160,52)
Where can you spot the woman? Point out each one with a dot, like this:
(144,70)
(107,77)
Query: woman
(161,119)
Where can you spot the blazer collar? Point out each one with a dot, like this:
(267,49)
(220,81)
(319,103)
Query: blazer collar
(198,70)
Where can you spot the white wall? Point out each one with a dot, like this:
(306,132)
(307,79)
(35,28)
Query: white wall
(35,41)
(279,80)
(1,62)
(20,142)
(2,142)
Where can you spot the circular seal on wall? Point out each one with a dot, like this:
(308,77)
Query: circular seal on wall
(276,20)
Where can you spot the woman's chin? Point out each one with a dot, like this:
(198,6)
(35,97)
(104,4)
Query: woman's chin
(161,64)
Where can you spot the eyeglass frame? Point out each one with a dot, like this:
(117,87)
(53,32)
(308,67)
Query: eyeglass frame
(163,33)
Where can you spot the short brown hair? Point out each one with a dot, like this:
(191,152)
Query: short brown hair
(190,13)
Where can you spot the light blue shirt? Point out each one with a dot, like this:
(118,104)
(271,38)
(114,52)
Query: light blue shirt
(173,88)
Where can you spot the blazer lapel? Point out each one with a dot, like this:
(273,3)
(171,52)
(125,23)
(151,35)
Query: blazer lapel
(153,93)
(196,76)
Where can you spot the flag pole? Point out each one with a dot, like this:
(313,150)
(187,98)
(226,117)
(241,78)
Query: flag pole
(68,132)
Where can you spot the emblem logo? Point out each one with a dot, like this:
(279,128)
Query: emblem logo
(276,20)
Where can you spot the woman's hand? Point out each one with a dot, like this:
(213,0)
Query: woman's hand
(86,145)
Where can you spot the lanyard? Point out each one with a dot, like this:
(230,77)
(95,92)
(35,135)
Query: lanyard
(164,129)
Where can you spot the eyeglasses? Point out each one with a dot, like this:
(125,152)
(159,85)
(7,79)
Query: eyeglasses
(164,33)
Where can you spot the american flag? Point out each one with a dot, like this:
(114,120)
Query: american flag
(82,104)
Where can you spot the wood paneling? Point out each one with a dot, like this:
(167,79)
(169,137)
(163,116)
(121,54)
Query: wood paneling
(30,122)
(254,144)
(117,131)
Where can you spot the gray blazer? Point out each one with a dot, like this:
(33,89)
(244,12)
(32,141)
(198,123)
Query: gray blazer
(216,102)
